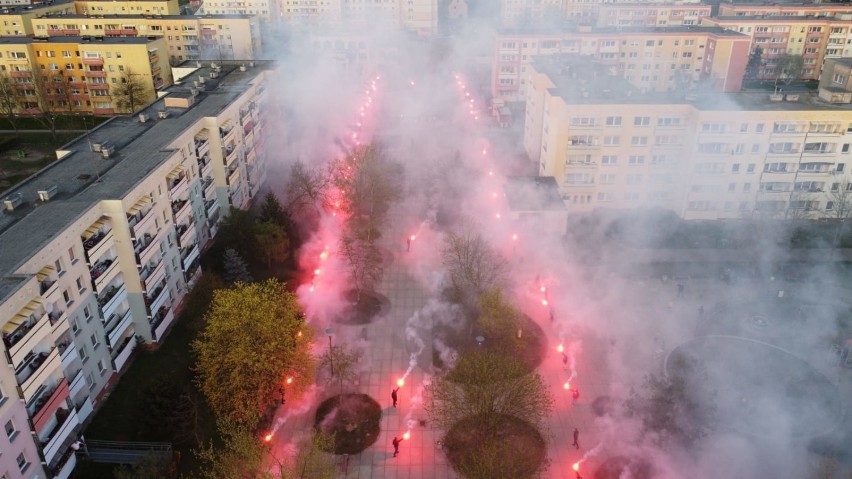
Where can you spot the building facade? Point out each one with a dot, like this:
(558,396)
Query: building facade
(101,247)
(654,59)
(784,9)
(418,16)
(651,14)
(517,13)
(217,37)
(70,75)
(711,156)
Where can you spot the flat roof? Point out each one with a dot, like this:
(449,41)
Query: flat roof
(845,61)
(82,40)
(83,178)
(575,29)
(19,9)
(771,18)
(146,16)
(533,193)
(579,79)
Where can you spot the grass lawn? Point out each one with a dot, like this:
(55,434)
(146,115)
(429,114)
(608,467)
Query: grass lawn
(40,149)
(71,122)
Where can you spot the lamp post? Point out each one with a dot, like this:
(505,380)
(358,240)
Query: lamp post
(329,332)
(480,340)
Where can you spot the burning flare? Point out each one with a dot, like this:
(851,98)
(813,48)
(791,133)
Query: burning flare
(268,437)
(576,467)
(560,348)
(406,435)
(567,386)
(400,382)
(289,380)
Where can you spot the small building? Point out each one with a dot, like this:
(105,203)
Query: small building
(536,199)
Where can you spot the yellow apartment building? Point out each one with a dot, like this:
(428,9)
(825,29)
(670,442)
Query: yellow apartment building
(784,9)
(100,249)
(705,156)
(188,37)
(419,16)
(17,21)
(514,13)
(81,74)
(653,59)
(814,38)
(305,12)
(127,7)
(266,10)
(650,14)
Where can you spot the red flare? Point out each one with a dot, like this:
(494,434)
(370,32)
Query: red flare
(267,438)
(324,255)
(498,216)
(542,289)
(289,380)
(560,348)
(567,386)
(514,237)
(299,334)
(576,467)
(400,382)
(544,302)
(406,435)
(312,288)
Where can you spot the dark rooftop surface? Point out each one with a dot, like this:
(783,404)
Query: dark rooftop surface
(83,178)
(146,16)
(580,80)
(533,193)
(19,9)
(569,28)
(107,40)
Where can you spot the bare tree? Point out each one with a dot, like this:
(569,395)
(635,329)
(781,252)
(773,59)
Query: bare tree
(342,363)
(311,460)
(10,98)
(50,107)
(131,92)
(790,67)
(839,205)
(472,265)
(307,187)
(487,385)
(364,260)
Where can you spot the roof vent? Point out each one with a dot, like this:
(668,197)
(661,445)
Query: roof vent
(106,151)
(46,195)
(98,145)
(251,64)
(143,117)
(198,64)
(201,79)
(213,65)
(214,75)
(162,114)
(243,67)
(195,83)
(193,91)
(13,201)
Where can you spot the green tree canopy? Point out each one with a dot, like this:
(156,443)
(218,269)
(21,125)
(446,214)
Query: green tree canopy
(250,345)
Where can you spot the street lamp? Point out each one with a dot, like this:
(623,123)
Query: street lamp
(480,340)
(329,332)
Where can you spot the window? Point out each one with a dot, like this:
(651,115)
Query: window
(102,368)
(3,399)
(71,256)
(84,354)
(636,160)
(743,127)
(609,160)
(639,140)
(732,187)
(607,179)
(11,430)
(735,168)
(613,121)
(23,464)
(67,297)
(641,121)
(75,325)
(605,196)
(634,179)
(612,140)
(90,381)
(750,168)
(96,343)
(755,148)
(81,287)
(746,187)
(845,148)
(759,128)
(87,313)
(58,266)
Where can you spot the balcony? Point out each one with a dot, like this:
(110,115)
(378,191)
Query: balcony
(152,274)
(103,111)
(186,235)
(66,465)
(103,272)
(207,169)
(36,369)
(114,335)
(99,86)
(125,350)
(45,404)
(59,323)
(67,423)
(120,32)
(230,154)
(95,74)
(202,143)
(146,247)
(209,189)
(158,83)
(189,256)
(178,186)
(67,354)
(140,218)
(26,335)
(84,409)
(161,321)
(98,243)
(181,210)
(96,61)
(63,32)
(78,383)
(112,297)
(234,177)
(156,298)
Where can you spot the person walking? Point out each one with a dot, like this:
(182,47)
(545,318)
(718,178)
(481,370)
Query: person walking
(575,395)
(564,361)
(396,442)
(680,290)
(576,438)
(393,396)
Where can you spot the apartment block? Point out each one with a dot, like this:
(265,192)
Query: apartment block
(784,9)
(814,38)
(418,16)
(100,248)
(127,7)
(220,37)
(703,155)
(653,59)
(17,21)
(650,14)
(515,13)
(266,10)
(304,12)
(73,74)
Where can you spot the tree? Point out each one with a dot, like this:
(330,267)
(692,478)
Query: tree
(240,455)
(473,267)
(151,466)
(342,363)
(497,318)
(252,341)
(790,67)
(271,211)
(755,60)
(311,460)
(236,231)
(307,187)
(364,260)
(487,385)
(235,268)
(274,242)
(674,407)
(169,410)
(131,91)
(49,102)
(839,205)
(9,99)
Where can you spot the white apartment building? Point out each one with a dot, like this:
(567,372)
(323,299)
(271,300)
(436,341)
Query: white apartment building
(100,247)
(419,16)
(706,156)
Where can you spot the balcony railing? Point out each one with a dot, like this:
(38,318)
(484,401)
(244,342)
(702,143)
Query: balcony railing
(120,327)
(45,404)
(67,422)
(30,374)
(100,268)
(93,61)
(125,350)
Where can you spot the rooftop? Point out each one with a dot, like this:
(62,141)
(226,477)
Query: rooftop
(147,16)
(579,79)
(770,18)
(569,28)
(845,61)
(83,178)
(533,193)
(106,40)
(20,9)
